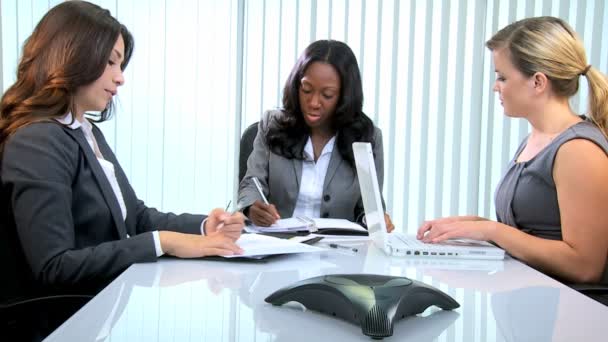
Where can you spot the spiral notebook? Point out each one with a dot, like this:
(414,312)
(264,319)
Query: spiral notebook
(313,225)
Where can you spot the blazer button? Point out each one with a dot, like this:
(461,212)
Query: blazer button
(326,198)
(325,215)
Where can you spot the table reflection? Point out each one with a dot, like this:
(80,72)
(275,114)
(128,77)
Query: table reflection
(220,300)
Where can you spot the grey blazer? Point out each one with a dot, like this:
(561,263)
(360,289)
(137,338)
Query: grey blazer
(280,179)
(61,218)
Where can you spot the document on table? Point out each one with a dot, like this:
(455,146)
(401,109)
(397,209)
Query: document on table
(317,225)
(256,245)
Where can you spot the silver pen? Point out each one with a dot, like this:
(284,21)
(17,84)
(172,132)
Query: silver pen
(337,246)
(259,187)
(221,225)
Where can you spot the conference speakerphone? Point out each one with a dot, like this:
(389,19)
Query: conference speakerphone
(371,301)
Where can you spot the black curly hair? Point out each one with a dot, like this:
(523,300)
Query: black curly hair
(288,132)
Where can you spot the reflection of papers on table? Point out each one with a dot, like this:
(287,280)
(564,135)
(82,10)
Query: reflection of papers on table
(319,225)
(256,245)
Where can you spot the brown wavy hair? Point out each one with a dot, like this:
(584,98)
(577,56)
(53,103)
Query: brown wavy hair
(69,48)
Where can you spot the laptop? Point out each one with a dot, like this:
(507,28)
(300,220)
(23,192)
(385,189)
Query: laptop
(398,244)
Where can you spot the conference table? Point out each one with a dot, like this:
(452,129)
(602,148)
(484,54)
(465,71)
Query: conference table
(223,300)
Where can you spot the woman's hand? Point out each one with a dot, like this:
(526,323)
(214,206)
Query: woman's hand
(389,224)
(262,214)
(231,225)
(428,225)
(195,246)
(443,229)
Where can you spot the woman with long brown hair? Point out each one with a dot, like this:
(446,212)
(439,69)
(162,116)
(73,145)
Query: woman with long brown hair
(69,217)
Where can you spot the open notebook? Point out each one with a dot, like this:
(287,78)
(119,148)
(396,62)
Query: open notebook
(314,225)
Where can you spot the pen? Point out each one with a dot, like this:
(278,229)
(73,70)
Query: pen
(259,187)
(335,245)
(221,225)
(228,206)
(313,240)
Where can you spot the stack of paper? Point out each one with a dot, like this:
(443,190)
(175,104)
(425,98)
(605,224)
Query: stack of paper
(263,245)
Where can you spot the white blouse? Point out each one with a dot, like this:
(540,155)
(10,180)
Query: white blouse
(313,177)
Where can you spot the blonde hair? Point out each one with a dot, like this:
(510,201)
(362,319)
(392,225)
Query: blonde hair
(550,46)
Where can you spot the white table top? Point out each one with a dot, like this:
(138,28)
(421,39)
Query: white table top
(208,300)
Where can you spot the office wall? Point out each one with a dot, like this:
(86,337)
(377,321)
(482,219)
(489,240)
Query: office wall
(204,70)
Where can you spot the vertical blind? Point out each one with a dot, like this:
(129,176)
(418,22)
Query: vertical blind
(203,71)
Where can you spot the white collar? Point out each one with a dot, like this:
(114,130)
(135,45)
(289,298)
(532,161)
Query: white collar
(67,120)
(308,150)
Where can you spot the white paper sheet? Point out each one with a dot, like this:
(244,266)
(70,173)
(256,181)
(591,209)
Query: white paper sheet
(256,244)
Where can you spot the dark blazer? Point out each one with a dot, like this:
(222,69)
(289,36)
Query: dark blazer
(60,218)
(280,179)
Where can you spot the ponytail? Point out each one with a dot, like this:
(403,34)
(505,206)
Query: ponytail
(598,98)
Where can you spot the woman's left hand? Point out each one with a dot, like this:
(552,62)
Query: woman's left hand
(475,230)
(389,224)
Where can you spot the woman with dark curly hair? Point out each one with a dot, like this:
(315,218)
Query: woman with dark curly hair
(302,154)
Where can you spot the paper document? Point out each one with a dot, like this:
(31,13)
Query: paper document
(256,244)
(318,225)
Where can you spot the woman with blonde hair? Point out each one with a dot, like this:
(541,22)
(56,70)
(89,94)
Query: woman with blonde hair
(551,202)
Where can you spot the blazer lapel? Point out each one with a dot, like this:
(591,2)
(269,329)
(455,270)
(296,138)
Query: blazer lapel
(291,188)
(334,163)
(102,180)
(297,163)
(297,168)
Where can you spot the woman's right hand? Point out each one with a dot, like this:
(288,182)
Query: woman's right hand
(428,225)
(195,246)
(263,214)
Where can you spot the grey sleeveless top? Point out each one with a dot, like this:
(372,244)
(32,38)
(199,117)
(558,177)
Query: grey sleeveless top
(526,197)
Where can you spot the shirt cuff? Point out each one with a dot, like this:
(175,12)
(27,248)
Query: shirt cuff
(157,247)
(203,227)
